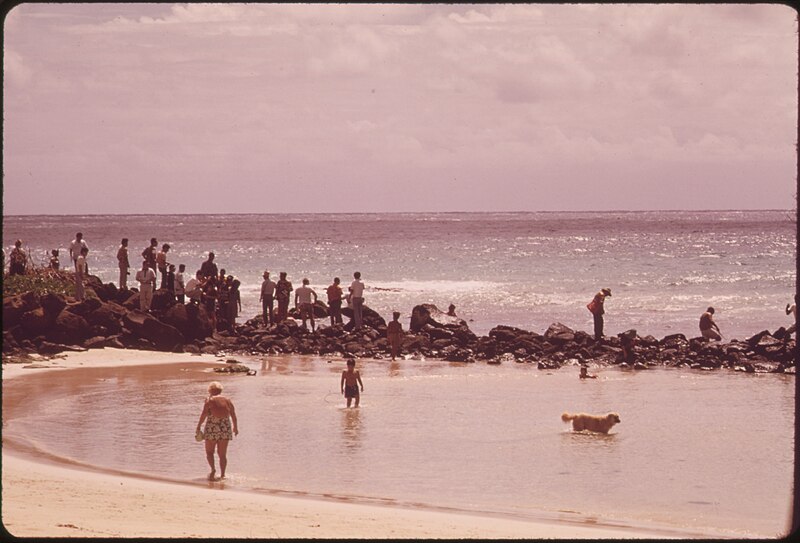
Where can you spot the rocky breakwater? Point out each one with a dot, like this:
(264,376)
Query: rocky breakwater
(51,323)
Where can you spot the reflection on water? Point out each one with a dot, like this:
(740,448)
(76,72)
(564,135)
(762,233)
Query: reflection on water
(351,430)
(689,452)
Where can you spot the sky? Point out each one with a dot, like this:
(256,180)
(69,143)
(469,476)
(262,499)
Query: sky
(284,108)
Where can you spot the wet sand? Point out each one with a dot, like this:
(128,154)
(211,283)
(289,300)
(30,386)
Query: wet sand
(41,499)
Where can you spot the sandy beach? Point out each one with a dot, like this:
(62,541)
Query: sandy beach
(41,499)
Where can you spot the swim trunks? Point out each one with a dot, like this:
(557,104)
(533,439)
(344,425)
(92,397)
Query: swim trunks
(351,391)
(217,428)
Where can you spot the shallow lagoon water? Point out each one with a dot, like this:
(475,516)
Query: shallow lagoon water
(698,452)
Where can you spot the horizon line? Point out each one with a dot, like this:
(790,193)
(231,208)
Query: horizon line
(790,210)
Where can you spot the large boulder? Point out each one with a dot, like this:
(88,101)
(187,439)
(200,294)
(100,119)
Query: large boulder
(53,304)
(84,307)
(506,334)
(35,322)
(69,329)
(109,315)
(164,336)
(192,321)
(163,299)
(371,318)
(559,333)
(15,306)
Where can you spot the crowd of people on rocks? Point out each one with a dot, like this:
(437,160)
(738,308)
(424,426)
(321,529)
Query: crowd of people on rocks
(219,292)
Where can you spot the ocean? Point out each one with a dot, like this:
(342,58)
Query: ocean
(696,453)
(519,269)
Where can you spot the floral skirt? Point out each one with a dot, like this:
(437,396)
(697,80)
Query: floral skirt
(217,429)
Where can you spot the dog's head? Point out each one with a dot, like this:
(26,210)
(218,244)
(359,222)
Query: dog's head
(613,418)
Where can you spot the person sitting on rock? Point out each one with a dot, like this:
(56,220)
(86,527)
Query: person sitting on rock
(709,328)
(194,288)
(791,310)
(451,311)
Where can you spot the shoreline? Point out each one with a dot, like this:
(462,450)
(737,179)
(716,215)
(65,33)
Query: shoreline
(127,505)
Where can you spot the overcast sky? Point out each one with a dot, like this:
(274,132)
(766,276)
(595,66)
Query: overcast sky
(259,108)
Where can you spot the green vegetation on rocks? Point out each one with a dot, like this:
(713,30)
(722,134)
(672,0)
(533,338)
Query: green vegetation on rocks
(40,281)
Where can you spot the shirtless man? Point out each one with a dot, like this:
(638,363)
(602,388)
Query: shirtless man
(350,381)
(219,411)
(709,328)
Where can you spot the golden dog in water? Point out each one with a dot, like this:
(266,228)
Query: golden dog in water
(593,423)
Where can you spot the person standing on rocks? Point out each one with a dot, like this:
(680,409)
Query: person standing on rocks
(54,263)
(283,290)
(597,311)
(334,292)
(302,300)
(17,259)
(234,304)
(124,264)
(150,254)
(81,271)
(208,268)
(163,265)
(179,285)
(709,328)
(791,310)
(75,248)
(394,334)
(147,284)
(267,299)
(357,299)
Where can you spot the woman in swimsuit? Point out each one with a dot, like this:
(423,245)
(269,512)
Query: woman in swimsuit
(218,411)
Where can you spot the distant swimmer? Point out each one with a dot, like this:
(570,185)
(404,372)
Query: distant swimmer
(351,378)
(218,412)
(709,328)
(595,307)
(585,373)
(394,333)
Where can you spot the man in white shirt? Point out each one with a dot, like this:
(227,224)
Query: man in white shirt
(147,284)
(75,248)
(178,284)
(302,298)
(194,288)
(81,271)
(267,299)
(357,299)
